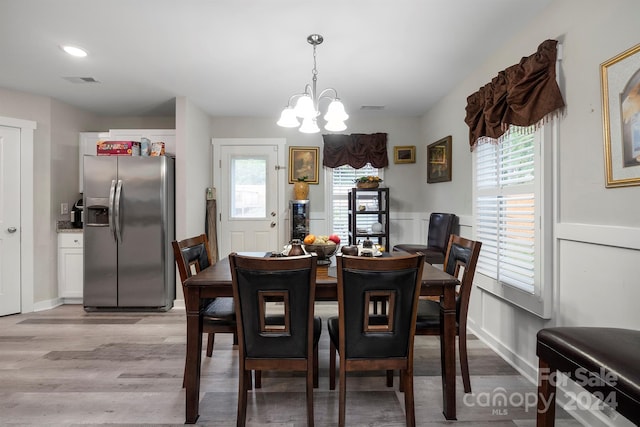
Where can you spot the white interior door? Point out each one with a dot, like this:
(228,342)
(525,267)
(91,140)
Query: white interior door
(10,232)
(248,197)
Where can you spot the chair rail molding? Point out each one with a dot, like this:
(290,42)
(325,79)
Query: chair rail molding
(607,235)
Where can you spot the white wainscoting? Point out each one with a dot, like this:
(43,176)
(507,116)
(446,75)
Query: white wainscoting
(595,285)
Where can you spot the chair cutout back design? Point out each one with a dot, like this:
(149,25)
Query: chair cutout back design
(282,342)
(366,341)
(440,228)
(461,259)
(192,255)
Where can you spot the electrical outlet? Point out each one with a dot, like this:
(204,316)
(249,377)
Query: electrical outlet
(64,208)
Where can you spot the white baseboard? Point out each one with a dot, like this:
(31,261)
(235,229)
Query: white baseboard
(47,304)
(587,416)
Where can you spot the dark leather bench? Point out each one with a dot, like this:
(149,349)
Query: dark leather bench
(604,361)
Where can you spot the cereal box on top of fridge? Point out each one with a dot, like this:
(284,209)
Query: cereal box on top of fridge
(118,148)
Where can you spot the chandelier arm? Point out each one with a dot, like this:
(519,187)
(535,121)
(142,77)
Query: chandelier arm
(307,91)
(323,94)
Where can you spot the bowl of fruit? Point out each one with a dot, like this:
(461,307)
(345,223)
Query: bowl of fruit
(324,246)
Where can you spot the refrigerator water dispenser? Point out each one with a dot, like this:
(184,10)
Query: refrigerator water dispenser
(97,212)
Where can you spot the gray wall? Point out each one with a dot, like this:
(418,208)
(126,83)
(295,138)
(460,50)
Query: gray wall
(56,170)
(597,230)
(401,131)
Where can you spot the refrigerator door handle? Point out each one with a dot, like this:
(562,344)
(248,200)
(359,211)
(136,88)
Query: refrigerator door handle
(112,195)
(116,208)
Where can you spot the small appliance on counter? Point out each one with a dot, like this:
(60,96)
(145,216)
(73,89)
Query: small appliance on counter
(77,214)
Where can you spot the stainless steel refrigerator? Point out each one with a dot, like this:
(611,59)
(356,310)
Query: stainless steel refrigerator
(128,229)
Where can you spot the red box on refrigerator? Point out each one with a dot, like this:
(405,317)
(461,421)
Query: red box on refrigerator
(118,148)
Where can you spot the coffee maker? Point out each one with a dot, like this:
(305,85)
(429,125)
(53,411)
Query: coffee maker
(77,214)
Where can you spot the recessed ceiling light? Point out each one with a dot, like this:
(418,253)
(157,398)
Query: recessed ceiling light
(74,51)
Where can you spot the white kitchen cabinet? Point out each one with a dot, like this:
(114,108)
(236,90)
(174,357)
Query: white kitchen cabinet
(70,267)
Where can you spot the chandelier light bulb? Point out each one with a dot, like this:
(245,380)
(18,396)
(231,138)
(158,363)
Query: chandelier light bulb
(288,118)
(304,107)
(335,126)
(335,112)
(309,126)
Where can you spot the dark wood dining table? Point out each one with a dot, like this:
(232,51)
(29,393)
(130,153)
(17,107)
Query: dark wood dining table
(215,281)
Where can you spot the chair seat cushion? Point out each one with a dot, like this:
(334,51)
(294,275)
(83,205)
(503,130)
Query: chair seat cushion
(433,255)
(220,311)
(333,327)
(612,355)
(428,314)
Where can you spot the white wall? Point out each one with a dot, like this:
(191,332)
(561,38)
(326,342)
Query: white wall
(598,229)
(193,168)
(193,172)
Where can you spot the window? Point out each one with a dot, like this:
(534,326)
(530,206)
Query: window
(512,211)
(248,187)
(342,182)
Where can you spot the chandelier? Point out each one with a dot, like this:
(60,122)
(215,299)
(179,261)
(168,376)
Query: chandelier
(307,103)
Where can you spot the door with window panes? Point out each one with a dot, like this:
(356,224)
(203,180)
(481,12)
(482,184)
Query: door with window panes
(249,202)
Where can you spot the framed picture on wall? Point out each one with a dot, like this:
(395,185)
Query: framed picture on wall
(621,118)
(404,154)
(303,162)
(439,161)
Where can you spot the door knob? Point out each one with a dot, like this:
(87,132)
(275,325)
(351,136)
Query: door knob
(273,224)
(12,229)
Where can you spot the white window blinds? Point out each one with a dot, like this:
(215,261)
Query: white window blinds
(506,210)
(342,183)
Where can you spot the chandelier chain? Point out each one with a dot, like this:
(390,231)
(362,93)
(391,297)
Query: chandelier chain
(315,67)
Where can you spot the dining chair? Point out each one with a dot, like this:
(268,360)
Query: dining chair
(264,289)
(441,226)
(192,255)
(460,261)
(369,342)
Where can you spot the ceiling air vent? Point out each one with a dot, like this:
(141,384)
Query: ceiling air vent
(81,79)
(372,107)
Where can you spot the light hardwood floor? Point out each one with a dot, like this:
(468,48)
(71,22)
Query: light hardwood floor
(66,367)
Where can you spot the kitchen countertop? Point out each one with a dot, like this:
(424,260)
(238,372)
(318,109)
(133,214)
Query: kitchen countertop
(67,227)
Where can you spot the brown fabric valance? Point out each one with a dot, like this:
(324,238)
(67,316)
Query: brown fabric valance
(355,150)
(521,95)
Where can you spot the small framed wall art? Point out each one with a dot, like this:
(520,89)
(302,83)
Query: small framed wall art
(404,154)
(621,118)
(439,161)
(303,162)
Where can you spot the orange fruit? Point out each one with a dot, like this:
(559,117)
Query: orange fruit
(309,239)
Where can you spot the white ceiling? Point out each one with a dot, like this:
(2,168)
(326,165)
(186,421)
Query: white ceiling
(246,57)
